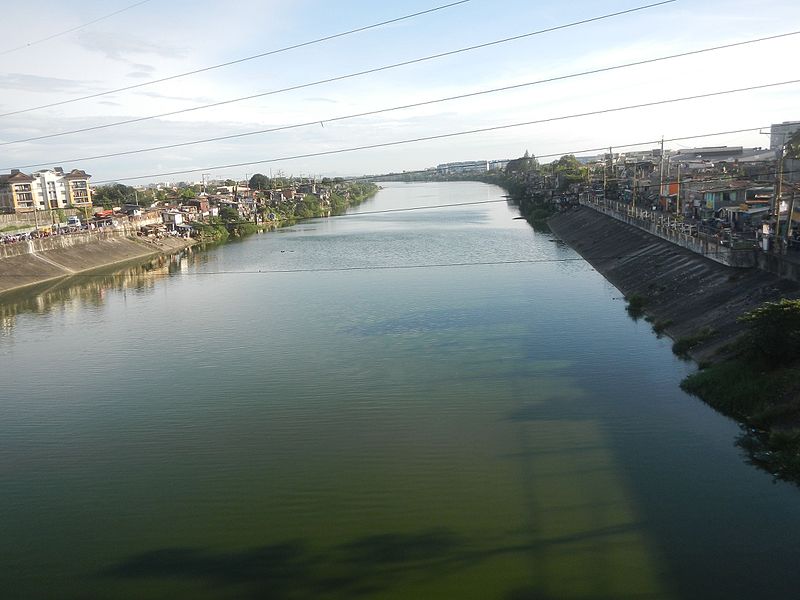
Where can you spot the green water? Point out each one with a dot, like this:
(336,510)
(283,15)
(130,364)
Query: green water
(287,418)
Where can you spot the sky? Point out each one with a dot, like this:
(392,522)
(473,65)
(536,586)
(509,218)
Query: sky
(161,38)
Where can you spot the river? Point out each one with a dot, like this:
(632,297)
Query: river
(437,403)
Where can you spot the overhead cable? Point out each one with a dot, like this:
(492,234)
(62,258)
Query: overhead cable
(319,121)
(55,35)
(456,134)
(237,61)
(335,79)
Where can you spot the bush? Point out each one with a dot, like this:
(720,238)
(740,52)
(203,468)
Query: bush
(636,304)
(685,344)
(660,326)
(774,332)
(731,387)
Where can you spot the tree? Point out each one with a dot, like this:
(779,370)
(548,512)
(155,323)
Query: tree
(774,331)
(523,165)
(229,214)
(570,170)
(568,163)
(113,195)
(259,182)
(187,193)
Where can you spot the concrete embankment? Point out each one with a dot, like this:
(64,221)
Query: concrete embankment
(28,263)
(683,292)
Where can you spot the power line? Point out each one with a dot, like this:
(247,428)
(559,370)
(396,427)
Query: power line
(416,208)
(315,122)
(55,35)
(656,141)
(386,267)
(454,134)
(585,150)
(238,60)
(339,77)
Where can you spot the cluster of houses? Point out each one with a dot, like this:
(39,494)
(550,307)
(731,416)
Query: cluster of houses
(179,214)
(46,197)
(730,186)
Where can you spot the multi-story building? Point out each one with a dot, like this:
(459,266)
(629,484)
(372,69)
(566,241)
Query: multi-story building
(16,192)
(469,166)
(781,132)
(44,190)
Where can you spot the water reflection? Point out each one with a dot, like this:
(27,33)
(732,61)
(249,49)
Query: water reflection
(91,289)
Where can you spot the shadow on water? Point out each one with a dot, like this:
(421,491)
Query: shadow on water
(364,566)
(293,570)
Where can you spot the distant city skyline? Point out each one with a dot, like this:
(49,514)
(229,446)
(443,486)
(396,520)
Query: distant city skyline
(155,40)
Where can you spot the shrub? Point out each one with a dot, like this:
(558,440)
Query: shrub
(660,326)
(685,344)
(774,332)
(636,304)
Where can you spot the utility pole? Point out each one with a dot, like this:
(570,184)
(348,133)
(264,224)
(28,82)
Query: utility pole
(661,187)
(777,195)
(678,200)
(791,217)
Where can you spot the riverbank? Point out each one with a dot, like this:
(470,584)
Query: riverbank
(698,303)
(682,293)
(286,214)
(49,259)
(23,265)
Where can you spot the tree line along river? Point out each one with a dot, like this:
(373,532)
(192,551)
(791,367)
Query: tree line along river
(436,403)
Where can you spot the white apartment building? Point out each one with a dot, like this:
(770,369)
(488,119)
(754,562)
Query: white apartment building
(48,189)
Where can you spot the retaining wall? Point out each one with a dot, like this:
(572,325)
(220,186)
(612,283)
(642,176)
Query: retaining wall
(28,263)
(681,288)
(703,245)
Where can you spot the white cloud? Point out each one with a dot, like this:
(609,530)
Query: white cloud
(122,47)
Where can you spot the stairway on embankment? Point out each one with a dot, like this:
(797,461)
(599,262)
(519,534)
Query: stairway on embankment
(23,264)
(682,291)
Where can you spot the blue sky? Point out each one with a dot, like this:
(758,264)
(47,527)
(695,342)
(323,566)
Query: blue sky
(161,38)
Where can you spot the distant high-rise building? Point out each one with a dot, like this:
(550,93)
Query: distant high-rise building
(469,166)
(781,132)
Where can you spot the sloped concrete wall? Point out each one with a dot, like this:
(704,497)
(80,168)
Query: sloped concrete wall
(29,263)
(681,287)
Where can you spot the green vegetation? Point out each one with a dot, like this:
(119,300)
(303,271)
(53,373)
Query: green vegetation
(215,232)
(231,224)
(113,195)
(569,171)
(636,304)
(683,345)
(660,326)
(760,386)
(774,332)
(259,182)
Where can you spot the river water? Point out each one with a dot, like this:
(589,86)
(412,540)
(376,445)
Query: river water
(435,403)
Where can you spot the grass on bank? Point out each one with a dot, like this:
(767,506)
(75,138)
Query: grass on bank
(760,387)
(636,305)
(684,345)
